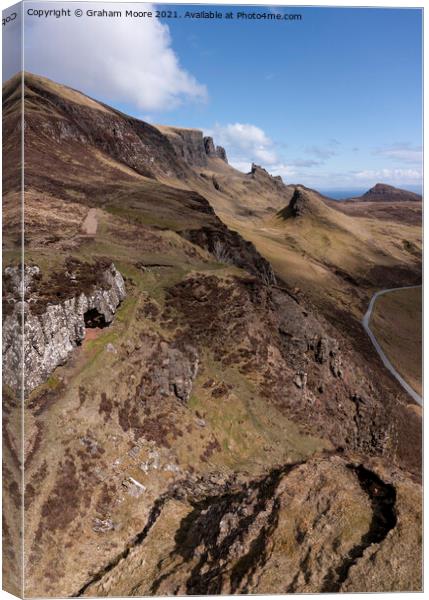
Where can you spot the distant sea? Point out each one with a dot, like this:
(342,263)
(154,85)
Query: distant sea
(337,194)
(342,194)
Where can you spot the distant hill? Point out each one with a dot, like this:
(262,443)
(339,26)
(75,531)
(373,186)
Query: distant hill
(383,202)
(382,192)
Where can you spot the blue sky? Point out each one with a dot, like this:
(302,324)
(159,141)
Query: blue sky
(331,101)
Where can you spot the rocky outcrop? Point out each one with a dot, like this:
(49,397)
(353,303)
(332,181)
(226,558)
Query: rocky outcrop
(297,207)
(191,146)
(260,174)
(221,153)
(229,247)
(177,371)
(309,527)
(305,202)
(214,151)
(38,343)
(188,144)
(303,365)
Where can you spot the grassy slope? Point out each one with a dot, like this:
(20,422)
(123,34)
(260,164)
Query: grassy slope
(319,250)
(239,430)
(397,324)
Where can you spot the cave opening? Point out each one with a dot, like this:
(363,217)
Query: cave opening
(94,319)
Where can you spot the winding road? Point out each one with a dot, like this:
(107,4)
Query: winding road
(386,361)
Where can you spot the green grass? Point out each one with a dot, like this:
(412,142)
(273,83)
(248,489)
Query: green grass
(250,430)
(140,216)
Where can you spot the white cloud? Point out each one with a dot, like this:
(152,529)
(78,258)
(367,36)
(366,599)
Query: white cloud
(402,152)
(413,176)
(285,171)
(243,166)
(244,144)
(129,60)
(358,180)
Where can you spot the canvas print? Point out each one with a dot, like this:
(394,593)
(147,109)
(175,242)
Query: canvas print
(212,302)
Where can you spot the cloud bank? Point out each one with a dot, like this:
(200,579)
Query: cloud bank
(403,152)
(245,143)
(121,60)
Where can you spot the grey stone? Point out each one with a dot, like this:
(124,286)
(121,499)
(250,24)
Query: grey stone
(40,343)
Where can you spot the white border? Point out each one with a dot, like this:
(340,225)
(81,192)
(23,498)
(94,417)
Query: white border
(345,3)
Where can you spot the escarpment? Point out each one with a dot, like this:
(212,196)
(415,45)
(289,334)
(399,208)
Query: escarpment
(260,174)
(188,144)
(191,146)
(214,151)
(47,331)
(229,247)
(76,119)
(302,365)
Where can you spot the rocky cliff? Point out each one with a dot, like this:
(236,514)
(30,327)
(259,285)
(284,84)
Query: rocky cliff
(51,333)
(214,151)
(188,144)
(74,119)
(191,146)
(260,174)
(230,248)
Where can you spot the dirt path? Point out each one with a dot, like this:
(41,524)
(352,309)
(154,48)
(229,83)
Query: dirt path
(90,224)
(365,322)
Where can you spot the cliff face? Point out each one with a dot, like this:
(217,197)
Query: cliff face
(188,144)
(262,175)
(77,121)
(214,151)
(191,146)
(230,248)
(51,336)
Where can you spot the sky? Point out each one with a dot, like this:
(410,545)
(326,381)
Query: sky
(333,101)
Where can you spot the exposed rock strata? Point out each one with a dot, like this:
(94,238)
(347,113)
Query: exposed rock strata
(229,247)
(301,528)
(191,146)
(301,367)
(261,174)
(50,337)
(214,151)
(134,143)
(188,144)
